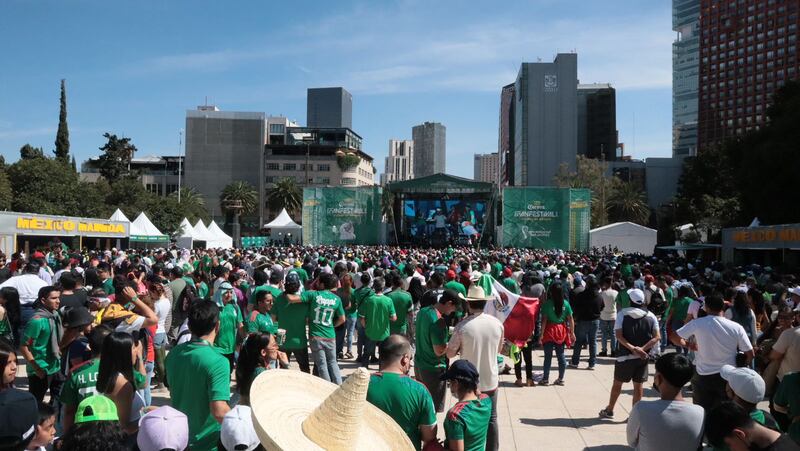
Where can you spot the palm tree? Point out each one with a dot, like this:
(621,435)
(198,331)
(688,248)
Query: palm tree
(238,197)
(387,210)
(286,194)
(628,203)
(192,204)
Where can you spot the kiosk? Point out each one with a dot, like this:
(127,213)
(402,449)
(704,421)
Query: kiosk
(29,231)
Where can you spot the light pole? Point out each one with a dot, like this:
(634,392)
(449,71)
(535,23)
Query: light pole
(180,162)
(307,140)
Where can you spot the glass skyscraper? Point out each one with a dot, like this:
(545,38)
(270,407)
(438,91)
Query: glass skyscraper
(685,71)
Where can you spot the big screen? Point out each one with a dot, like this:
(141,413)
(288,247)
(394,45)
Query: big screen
(443,220)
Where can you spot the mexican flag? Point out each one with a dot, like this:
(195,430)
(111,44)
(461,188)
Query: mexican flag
(517,313)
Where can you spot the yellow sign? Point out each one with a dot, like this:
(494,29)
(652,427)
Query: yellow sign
(67,225)
(766,235)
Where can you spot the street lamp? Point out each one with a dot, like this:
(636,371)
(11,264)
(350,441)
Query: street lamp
(308,139)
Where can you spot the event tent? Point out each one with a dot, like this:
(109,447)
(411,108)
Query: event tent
(119,216)
(143,231)
(282,225)
(186,235)
(202,234)
(221,239)
(625,236)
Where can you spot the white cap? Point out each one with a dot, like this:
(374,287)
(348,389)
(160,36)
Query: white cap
(636,295)
(746,383)
(794,290)
(237,429)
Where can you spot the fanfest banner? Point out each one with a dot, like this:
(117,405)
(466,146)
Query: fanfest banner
(341,216)
(517,313)
(546,218)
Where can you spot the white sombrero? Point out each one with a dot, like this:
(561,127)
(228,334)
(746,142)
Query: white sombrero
(297,411)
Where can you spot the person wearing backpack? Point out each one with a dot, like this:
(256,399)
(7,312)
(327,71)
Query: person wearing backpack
(655,299)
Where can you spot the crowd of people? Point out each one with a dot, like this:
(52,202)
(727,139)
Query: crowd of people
(99,332)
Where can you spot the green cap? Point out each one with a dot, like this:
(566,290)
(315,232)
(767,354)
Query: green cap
(96,408)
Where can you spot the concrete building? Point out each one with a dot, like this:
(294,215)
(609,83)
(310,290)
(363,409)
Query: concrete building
(597,121)
(158,174)
(223,146)
(685,70)
(399,162)
(505,145)
(545,120)
(487,167)
(276,129)
(748,50)
(658,177)
(329,108)
(429,149)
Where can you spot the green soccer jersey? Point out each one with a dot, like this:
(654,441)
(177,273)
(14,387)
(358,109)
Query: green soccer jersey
(108,286)
(403,304)
(377,311)
(469,421)
(431,331)
(359,296)
(788,397)
(229,319)
(680,309)
(407,401)
(323,309)
(511,285)
(301,273)
(258,322)
(81,384)
(198,374)
(623,300)
(456,286)
(37,339)
(292,317)
(549,312)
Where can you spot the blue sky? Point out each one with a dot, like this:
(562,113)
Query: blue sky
(133,68)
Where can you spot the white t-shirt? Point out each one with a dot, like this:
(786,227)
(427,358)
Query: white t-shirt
(788,344)
(27,285)
(162,307)
(694,309)
(440,221)
(653,424)
(718,339)
(478,338)
(183,333)
(609,312)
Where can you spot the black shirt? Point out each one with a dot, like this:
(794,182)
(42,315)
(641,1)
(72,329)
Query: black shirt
(77,299)
(587,305)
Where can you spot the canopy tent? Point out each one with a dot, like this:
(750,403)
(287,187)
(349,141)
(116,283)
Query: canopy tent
(221,239)
(186,235)
(625,236)
(119,216)
(143,231)
(203,234)
(282,226)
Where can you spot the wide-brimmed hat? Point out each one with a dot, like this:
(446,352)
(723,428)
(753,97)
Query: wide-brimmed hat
(476,293)
(297,411)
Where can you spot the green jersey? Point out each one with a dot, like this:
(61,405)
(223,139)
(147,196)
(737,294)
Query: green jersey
(403,304)
(359,296)
(323,309)
(198,374)
(457,287)
(81,384)
(511,285)
(258,322)
(549,312)
(230,317)
(431,330)
(377,311)
(274,290)
(669,296)
(37,339)
(623,300)
(301,273)
(680,309)
(202,290)
(291,317)
(788,396)
(469,421)
(407,401)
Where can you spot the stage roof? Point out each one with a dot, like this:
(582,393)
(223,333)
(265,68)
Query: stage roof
(440,183)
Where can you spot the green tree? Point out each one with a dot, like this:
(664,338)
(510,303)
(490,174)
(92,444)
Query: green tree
(285,194)
(628,203)
(44,185)
(28,152)
(6,193)
(114,162)
(237,198)
(592,174)
(62,135)
(191,204)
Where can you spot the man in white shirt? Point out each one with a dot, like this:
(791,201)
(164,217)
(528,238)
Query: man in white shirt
(717,340)
(28,285)
(479,338)
(607,317)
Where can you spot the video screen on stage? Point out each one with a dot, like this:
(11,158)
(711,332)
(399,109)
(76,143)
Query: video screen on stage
(439,220)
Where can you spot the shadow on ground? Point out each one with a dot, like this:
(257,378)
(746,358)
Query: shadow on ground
(567,422)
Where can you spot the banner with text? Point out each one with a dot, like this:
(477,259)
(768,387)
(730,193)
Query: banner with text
(341,215)
(546,218)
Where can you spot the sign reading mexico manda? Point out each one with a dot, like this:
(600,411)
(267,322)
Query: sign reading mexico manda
(45,225)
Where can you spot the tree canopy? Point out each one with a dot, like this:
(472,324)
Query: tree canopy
(114,162)
(62,135)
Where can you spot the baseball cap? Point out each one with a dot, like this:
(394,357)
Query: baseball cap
(293,277)
(794,290)
(451,295)
(237,430)
(96,408)
(636,295)
(461,370)
(19,415)
(746,383)
(450,274)
(163,428)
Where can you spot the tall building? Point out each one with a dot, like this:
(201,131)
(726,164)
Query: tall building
(748,49)
(505,146)
(158,174)
(399,162)
(429,148)
(597,121)
(545,120)
(329,108)
(223,146)
(487,167)
(685,70)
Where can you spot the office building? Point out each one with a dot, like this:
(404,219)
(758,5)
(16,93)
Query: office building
(221,147)
(329,108)
(429,149)
(399,162)
(597,121)
(276,129)
(685,70)
(748,50)
(158,174)
(545,120)
(487,167)
(505,146)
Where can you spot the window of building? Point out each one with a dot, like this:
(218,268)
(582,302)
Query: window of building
(324,167)
(269,179)
(289,167)
(348,181)
(273,166)
(276,128)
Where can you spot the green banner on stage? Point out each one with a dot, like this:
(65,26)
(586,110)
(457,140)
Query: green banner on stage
(546,218)
(341,215)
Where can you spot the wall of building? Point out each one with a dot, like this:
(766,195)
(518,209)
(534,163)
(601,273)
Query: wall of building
(685,69)
(486,167)
(597,121)
(429,149)
(662,179)
(505,146)
(400,161)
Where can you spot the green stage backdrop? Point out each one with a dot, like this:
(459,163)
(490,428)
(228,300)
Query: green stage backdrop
(546,218)
(341,215)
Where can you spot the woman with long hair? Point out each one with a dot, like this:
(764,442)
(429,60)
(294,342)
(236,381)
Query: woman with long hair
(344,334)
(120,360)
(8,365)
(558,329)
(761,310)
(258,354)
(741,313)
(10,315)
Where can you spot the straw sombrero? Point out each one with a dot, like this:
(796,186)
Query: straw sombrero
(297,411)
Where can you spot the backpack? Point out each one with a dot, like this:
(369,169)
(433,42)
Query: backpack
(657,303)
(187,297)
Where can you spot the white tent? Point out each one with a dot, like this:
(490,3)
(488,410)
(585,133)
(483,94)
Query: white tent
(283,225)
(119,216)
(145,231)
(203,234)
(187,236)
(625,236)
(221,239)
